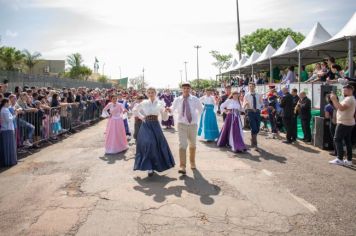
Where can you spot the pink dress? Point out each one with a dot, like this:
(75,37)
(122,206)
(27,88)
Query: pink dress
(115,135)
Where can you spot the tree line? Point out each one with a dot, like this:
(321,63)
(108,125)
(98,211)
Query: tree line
(13,59)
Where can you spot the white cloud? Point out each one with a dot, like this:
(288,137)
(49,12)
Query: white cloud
(12,34)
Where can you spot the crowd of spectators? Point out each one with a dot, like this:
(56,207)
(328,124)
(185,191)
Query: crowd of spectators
(31,115)
(328,71)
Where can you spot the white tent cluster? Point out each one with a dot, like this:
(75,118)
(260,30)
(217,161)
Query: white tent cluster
(316,46)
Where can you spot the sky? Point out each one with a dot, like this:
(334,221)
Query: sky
(157,35)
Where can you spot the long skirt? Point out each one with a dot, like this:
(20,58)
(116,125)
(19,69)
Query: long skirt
(138,124)
(231,133)
(127,128)
(152,150)
(169,122)
(115,137)
(8,151)
(208,127)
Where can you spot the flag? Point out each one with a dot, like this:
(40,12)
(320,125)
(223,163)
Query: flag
(96,60)
(123,82)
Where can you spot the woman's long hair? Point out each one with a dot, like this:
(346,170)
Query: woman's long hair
(3,102)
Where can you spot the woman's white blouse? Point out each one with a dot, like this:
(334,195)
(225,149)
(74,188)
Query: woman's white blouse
(6,119)
(230,104)
(148,108)
(207,100)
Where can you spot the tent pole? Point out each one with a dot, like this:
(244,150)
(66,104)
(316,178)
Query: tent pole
(299,65)
(351,63)
(270,71)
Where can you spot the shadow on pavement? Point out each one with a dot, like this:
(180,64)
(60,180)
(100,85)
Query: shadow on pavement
(197,185)
(112,158)
(305,149)
(262,155)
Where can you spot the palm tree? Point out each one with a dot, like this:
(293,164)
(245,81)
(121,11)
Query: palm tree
(11,57)
(75,60)
(31,60)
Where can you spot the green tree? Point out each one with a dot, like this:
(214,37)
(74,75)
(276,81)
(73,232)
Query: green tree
(221,61)
(259,39)
(103,79)
(11,58)
(203,84)
(75,60)
(31,60)
(77,69)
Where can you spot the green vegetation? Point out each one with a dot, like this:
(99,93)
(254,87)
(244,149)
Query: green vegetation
(77,69)
(221,61)
(258,40)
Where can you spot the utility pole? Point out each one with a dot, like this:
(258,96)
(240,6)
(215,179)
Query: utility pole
(120,72)
(186,75)
(181,77)
(143,78)
(197,47)
(104,68)
(238,28)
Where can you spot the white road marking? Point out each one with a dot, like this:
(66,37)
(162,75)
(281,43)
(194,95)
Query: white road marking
(307,205)
(267,172)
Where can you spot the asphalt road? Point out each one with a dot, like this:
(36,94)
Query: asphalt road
(72,188)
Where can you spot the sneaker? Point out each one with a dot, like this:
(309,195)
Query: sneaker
(347,163)
(27,143)
(336,162)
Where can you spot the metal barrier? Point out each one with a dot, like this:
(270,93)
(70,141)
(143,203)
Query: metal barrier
(38,125)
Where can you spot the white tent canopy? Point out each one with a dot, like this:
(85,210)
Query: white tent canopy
(317,45)
(233,64)
(252,59)
(316,36)
(287,46)
(266,54)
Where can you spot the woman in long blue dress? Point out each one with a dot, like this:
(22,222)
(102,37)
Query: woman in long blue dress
(208,127)
(152,150)
(8,152)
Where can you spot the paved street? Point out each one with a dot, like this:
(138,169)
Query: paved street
(72,188)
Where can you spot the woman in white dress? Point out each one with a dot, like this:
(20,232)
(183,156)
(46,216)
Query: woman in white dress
(152,150)
(231,133)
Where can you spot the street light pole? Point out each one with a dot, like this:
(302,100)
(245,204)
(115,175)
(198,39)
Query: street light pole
(104,69)
(186,75)
(120,72)
(143,78)
(181,77)
(197,47)
(238,27)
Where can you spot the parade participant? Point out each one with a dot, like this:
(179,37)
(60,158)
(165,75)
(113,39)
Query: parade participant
(224,98)
(168,98)
(152,150)
(208,127)
(252,105)
(272,98)
(189,107)
(231,132)
(288,114)
(296,113)
(138,121)
(126,106)
(304,111)
(115,136)
(8,152)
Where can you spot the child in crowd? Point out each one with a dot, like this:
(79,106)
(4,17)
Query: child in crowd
(56,123)
(138,121)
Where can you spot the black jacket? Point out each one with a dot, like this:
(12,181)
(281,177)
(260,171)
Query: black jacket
(305,109)
(288,106)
